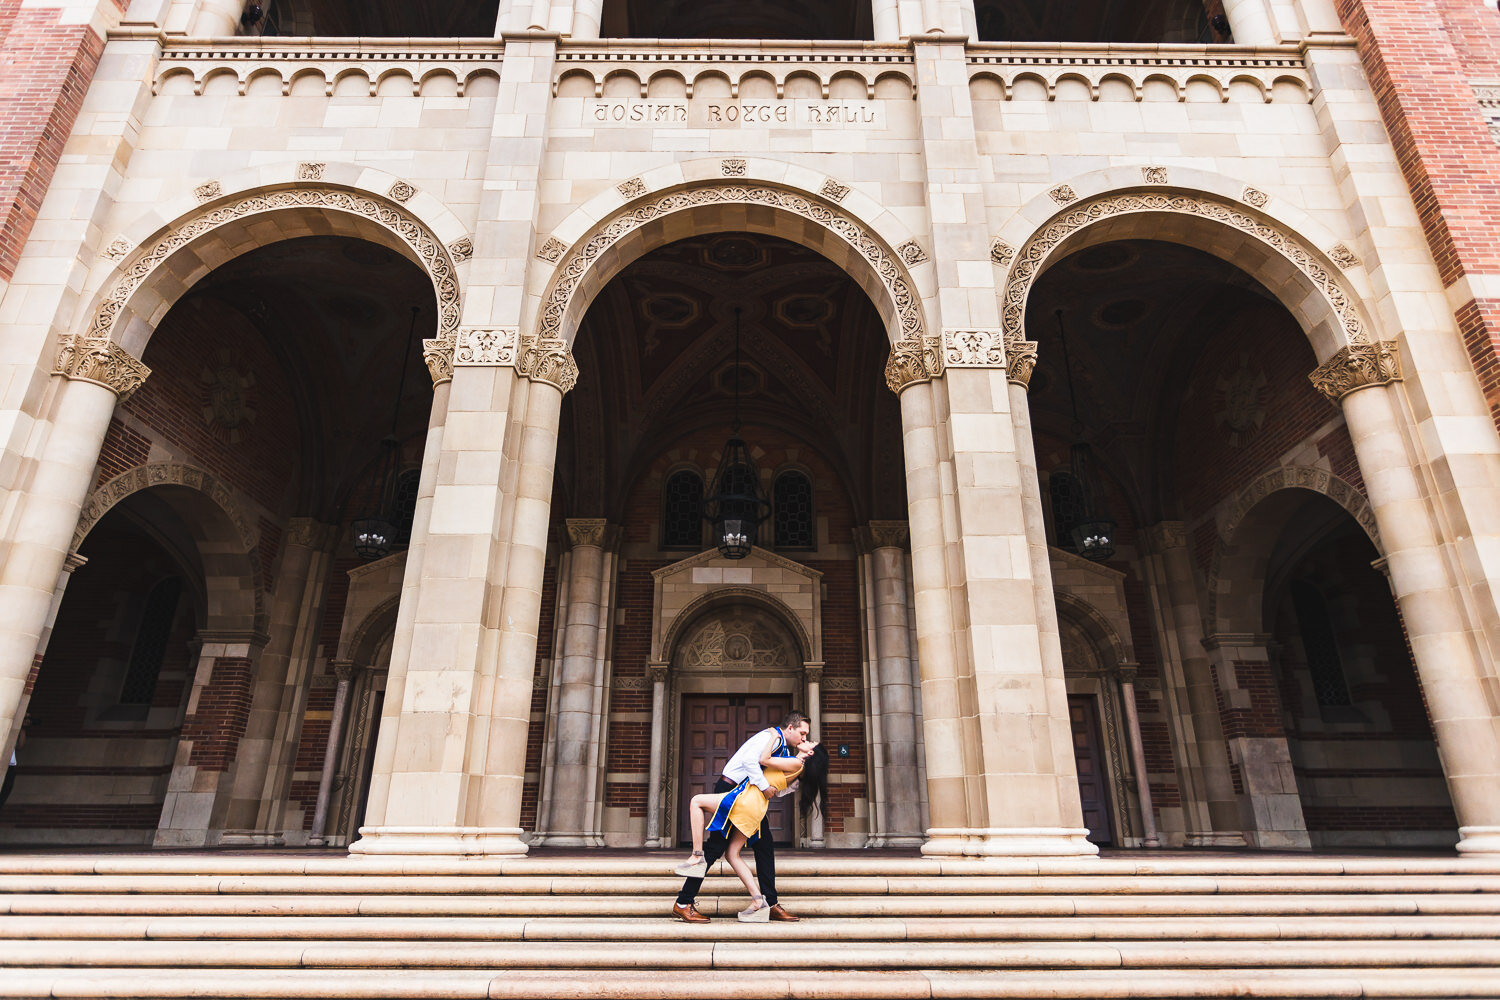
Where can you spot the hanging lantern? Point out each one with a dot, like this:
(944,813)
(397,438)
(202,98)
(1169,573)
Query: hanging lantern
(1093,533)
(735,505)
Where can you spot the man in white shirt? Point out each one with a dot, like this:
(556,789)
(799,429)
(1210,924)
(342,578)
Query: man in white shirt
(746,765)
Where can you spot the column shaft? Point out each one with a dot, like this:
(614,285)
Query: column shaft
(331,752)
(654,836)
(899,790)
(218,18)
(1138,760)
(1450,664)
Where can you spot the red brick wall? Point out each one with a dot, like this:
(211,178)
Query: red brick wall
(45,69)
(1420,56)
(79,734)
(218,723)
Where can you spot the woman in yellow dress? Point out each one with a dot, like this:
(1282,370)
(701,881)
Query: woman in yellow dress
(738,814)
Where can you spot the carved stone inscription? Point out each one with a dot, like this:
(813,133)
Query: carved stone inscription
(734,113)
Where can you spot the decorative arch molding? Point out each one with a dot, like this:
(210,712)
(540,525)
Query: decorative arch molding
(1089,621)
(1311,268)
(1228,547)
(406,232)
(579,267)
(142,477)
(374,626)
(692,615)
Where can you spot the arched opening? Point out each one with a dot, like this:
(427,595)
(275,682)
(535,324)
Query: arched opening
(1100,21)
(660,387)
(1187,380)
(380,19)
(832,19)
(1366,764)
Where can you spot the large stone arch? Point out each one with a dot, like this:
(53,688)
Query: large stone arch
(650,219)
(1092,624)
(153,275)
(1308,281)
(1246,527)
(226,541)
(700,610)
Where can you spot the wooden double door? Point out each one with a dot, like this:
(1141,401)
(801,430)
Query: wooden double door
(713,728)
(1093,775)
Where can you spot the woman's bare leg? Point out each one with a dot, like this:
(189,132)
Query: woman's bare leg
(700,807)
(737,841)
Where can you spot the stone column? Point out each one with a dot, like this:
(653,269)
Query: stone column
(1457,683)
(572,784)
(1251,21)
(587,16)
(1125,675)
(93,375)
(262,770)
(898,790)
(887,20)
(658,672)
(344,671)
(218,18)
(1209,802)
(812,674)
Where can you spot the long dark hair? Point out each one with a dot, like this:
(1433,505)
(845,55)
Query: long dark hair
(814,782)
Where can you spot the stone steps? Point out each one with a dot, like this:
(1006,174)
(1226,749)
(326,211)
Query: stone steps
(598,926)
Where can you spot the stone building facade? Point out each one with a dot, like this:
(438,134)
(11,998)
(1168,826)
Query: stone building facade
(978,282)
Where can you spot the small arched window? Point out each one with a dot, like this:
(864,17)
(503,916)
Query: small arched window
(682,511)
(792,499)
(1067,499)
(139,687)
(1321,645)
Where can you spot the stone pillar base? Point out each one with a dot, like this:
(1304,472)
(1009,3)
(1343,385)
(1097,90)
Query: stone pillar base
(1002,842)
(251,838)
(895,840)
(1478,840)
(566,840)
(438,840)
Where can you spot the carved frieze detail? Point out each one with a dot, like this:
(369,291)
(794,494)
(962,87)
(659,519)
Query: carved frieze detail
(118,249)
(207,191)
(1034,255)
(1343,256)
(911,362)
(833,190)
(973,349)
(310,171)
(911,253)
(1357,367)
(102,362)
(633,188)
(402,191)
(1255,196)
(733,167)
(1002,253)
(1020,358)
(1062,194)
(143,477)
(481,347)
(551,249)
(1154,175)
(461,250)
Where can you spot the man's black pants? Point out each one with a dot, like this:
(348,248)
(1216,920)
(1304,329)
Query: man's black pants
(715,846)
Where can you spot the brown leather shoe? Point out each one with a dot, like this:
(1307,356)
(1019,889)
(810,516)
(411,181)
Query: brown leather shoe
(690,913)
(779,912)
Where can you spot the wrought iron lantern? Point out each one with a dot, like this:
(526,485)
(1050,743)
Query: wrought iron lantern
(1093,532)
(735,505)
(374,532)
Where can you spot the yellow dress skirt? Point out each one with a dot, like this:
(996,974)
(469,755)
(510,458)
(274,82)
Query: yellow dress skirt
(744,806)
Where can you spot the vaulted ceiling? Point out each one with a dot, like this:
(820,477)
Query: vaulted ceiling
(657,358)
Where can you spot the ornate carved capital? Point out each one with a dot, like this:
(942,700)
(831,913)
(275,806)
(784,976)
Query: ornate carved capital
(1165,535)
(813,673)
(545,359)
(882,535)
(344,670)
(1357,367)
(311,534)
(973,349)
(101,361)
(588,531)
(1020,359)
(912,361)
(657,672)
(1126,673)
(438,354)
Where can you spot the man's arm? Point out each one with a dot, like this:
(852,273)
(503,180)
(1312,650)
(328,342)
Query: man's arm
(755,766)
